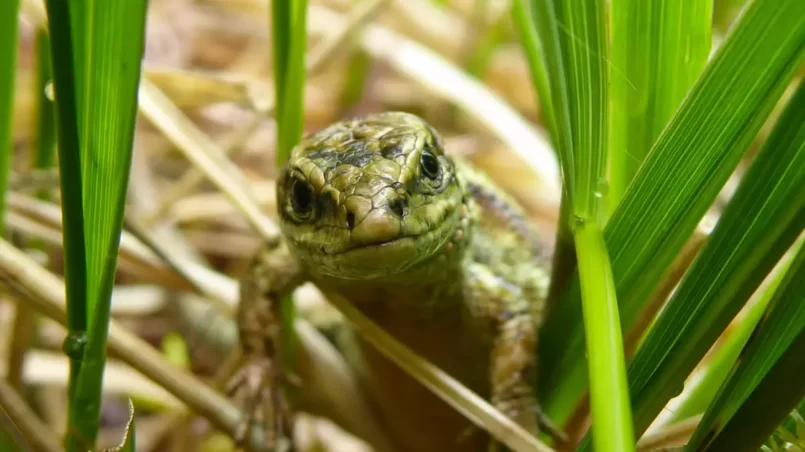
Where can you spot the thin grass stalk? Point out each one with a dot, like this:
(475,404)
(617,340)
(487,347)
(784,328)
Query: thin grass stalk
(75,267)
(8,65)
(609,395)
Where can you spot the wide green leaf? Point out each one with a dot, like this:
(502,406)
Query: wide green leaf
(767,381)
(659,48)
(103,74)
(680,178)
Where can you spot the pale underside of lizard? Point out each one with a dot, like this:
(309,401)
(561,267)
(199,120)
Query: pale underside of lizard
(429,249)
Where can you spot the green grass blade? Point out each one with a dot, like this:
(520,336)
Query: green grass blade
(766,383)
(75,266)
(762,220)
(44,136)
(290,36)
(691,159)
(114,48)
(609,398)
(658,50)
(572,46)
(573,38)
(8,66)
(289,20)
(698,398)
(532,48)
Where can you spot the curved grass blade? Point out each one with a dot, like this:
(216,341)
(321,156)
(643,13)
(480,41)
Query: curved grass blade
(766,382)
(658,50)
(691,160)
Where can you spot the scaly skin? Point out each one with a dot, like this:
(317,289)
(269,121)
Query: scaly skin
(427,248)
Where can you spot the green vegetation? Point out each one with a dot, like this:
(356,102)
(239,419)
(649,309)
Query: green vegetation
(663,116)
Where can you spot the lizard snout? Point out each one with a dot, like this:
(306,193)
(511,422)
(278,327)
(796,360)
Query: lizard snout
(380,224)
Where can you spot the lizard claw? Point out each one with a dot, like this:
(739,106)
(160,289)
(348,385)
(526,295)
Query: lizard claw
(257,386)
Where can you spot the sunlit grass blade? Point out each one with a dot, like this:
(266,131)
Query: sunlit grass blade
(681,176)
(763,219)
(112,52)
(658,50)
(766,382)
(8,67)
(569,55)
(609,399)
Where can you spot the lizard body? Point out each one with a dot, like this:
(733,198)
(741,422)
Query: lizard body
(372,209)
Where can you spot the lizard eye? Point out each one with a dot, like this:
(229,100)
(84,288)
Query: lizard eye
(301,198)
(429,165)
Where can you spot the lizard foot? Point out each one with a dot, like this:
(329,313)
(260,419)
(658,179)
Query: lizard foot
(258,388)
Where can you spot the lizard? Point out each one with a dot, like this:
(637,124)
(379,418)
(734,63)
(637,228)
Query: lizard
(424,245)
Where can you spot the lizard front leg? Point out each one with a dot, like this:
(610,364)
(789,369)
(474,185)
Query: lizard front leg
(512,317)
(272,274)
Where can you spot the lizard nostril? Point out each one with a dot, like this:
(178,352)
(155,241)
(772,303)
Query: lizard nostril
(350,220)
(397,206)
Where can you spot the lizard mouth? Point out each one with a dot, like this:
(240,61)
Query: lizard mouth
(386,258)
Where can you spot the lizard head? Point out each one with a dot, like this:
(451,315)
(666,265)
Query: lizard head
(371,197)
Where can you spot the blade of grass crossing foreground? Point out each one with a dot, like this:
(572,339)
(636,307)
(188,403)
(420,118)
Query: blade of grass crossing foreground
(762,220)
(715,372)
(112,54)
(564,257)
(8,65)
(658,50)
(691,160)
(573,44)
(609,399)
(75,266)
(766,382)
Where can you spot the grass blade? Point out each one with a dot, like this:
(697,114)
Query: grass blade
(766,383)
(762,220)
(572,46)
(609,398)
(75,264)
(697,398)
(112,52)
(8,65)
(658,50)
(44,136)
(290,36)
(289,21)
(692,159)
